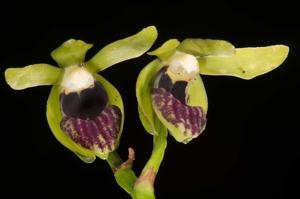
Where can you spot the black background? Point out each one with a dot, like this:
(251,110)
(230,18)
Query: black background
(250,148)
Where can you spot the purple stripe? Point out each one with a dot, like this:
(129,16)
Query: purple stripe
(85,132)
(175,110)
(104,131)
(177,113)
(65,126)
(93,123)
(111,125)
(203,118)
(93,134)
(185,114)
(116,118)
(193,120)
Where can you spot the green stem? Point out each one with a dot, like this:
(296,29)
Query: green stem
(159,147)
(123,173)
(114,160)
(144,186)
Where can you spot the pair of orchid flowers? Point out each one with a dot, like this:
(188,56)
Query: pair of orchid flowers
(85,112)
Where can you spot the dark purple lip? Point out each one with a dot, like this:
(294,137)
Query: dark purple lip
(88,103)
(88,119)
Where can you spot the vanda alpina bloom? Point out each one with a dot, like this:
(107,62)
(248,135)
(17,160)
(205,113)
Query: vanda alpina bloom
(84,111)
(170,91)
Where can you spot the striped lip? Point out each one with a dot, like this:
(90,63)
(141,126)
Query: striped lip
(99,134)
(189,120)
(88,119)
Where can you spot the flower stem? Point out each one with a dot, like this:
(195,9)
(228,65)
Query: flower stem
(144,185)
(123,173)
(114,160)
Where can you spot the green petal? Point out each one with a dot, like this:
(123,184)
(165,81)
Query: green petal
(166,50)
(246,63)
(143,88)
(124,49)
(32,75)
(114,98)
(54,117)
(205,47)
(70,52)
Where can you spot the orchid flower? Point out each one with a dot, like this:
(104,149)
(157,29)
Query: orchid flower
(84,111)
(170,92)
(172,98)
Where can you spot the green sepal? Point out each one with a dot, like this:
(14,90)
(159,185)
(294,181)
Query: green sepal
(144,85)
(31,76)
(246,63)
(206,47)
(70,52)
(165,50)
(124,49)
